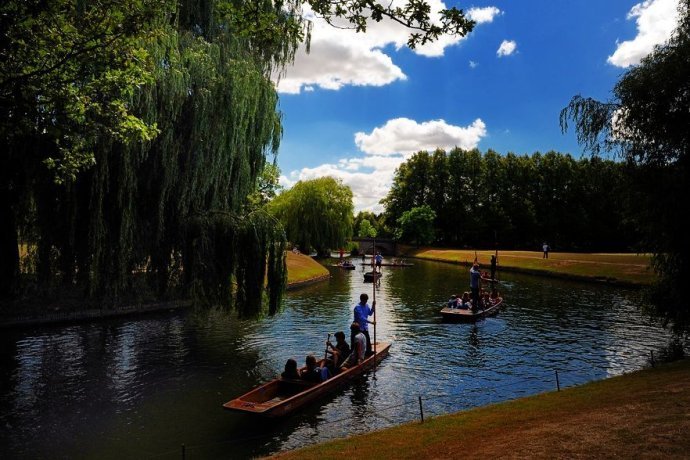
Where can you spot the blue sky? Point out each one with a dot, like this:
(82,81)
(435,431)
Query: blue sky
(360,104)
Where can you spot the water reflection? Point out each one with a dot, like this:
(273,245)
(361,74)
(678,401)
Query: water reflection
(89,390)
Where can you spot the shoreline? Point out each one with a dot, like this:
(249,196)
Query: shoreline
(545,273)
(642,414)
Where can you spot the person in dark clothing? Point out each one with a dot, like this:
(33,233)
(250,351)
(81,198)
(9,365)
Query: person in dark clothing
(312,373)
(290,371)
(494,262)
(339,352)
(475,277)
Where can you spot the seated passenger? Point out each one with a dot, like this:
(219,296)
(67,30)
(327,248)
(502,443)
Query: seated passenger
(359,347)
(313,373)
(453,302)
(290,371)
(465,301)
(494,295)
(339,351)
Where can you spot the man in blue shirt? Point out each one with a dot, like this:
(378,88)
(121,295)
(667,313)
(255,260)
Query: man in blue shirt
(475,276)
(362,313)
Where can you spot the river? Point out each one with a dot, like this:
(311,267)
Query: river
(143,387)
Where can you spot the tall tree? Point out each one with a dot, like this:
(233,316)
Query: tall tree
(416,225)
(316,214)
(647,123)
(136,129)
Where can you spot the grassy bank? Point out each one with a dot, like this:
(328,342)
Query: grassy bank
(639,415)
(615,268)
(302,269)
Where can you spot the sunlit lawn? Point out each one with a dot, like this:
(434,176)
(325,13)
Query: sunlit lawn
(301,268)
(629,268)
(639,415)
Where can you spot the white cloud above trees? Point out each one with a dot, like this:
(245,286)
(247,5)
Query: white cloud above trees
(385,148)
(656,20)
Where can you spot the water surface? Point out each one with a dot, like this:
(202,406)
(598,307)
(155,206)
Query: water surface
(140,388)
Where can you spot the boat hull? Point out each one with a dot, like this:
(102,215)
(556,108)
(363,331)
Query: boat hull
(281,397)
(459,315)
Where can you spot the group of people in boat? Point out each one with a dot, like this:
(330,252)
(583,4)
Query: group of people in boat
(477,298)
(341,355)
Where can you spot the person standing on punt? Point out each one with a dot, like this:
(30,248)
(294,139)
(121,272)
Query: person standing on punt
(379,260)
(362,313)
(475,276)
(494,262)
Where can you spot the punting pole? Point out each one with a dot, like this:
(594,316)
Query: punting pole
(373,289)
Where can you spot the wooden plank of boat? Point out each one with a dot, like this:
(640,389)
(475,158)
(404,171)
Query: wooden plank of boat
(466,315)
(281,397)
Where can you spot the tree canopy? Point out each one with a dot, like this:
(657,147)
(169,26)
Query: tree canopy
(416,225)
(483,200)
(136,130)
(646,122)
(316,214)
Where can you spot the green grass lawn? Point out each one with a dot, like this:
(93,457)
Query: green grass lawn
(644,414)
(303,268)
(623,268)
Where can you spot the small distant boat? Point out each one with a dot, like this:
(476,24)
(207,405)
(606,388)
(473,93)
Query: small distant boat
(466,316)
(395,264)
(370,276)
(281,397)
(345,266)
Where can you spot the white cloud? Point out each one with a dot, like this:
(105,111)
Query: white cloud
(656,20)
(507,48)
(386,147)
(341,57)
(402,135)
(473,65)
(483,15)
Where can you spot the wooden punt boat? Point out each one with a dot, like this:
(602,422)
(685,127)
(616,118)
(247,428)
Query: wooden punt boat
(347,266)
(370,276)
(466,316)
(281,397)
(394,264)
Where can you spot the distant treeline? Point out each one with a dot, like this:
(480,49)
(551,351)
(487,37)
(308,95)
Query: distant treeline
(517,202)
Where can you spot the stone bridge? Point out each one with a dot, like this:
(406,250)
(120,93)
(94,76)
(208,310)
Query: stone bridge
(385,246)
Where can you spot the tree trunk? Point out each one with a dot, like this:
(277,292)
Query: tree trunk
(9,247)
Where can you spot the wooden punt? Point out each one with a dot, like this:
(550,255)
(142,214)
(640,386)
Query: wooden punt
(370,276)
(348,266)
(393,264)
(281,397)
(466,316)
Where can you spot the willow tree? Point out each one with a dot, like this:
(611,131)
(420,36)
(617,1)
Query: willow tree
(316,213)
(647,123)
(136,130)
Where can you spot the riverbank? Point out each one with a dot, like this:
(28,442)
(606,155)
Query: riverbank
(639,415)
(302,270)
(617,269)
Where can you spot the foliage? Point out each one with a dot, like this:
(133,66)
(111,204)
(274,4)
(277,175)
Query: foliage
(134,132)
(484,200)
(366,230)
(416,225)
(646,123)
(267,186)
(316,214)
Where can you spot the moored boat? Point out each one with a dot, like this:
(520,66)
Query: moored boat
(280,397)
(467,316)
